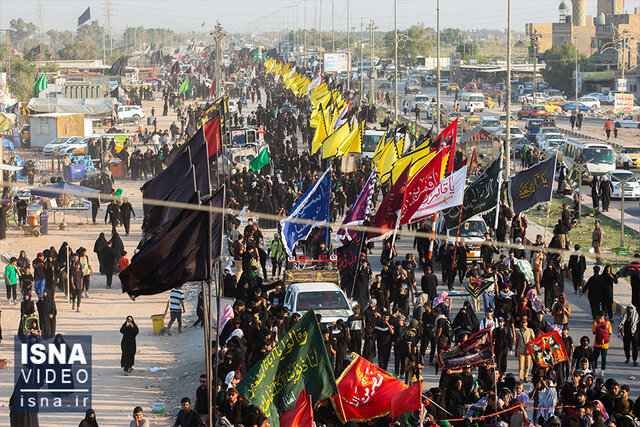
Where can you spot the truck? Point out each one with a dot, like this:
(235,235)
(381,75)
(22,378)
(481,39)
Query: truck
(44,128)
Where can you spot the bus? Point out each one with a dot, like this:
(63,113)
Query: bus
(599,157)
(471,101)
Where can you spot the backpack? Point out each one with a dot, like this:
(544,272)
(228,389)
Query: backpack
(447,330)
(602,334)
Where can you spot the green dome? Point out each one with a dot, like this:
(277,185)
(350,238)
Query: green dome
(563,6)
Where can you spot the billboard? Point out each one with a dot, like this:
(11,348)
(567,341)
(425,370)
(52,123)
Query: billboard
(337,62)
(623,103)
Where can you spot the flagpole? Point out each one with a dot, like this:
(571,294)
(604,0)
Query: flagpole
(218,287)
(395,231)
(455,248)
(206,293)
(433,235)
(499,189)
(355,275)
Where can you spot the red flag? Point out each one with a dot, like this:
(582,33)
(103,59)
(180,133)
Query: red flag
(419,186)
(448,136)
(365,391)
(212,134)
(388,211)
(213,83)
(409,400)
(301,415)
(474,160)
(202,24)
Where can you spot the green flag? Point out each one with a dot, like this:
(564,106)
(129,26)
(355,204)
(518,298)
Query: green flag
(261,161)
(298,362)
(40,84)
(184,86)
(479,197)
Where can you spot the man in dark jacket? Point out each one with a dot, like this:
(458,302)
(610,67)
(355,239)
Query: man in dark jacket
(113,214)
(126,210)
(577,267)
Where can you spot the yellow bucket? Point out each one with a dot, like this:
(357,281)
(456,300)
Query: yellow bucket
(158,323)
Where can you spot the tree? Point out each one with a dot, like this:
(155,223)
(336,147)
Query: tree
(451,36)
(468,49)
(560,66)
(22,78)
(21,31)
(415,41)
(79,50)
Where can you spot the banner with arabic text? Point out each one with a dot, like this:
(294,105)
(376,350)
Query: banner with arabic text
(348,255)
(532,186)
(298,362)
(365,391)
(478,348)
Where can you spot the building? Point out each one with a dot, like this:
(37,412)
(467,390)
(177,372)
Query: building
(610,41)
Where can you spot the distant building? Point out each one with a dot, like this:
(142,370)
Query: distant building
(592,36)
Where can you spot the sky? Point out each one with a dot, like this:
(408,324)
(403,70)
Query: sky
(247,15)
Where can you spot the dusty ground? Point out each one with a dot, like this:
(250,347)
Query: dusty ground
(101,316)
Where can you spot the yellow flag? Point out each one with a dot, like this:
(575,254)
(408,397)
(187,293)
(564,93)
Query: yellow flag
(418,157)
(333,142)
(388,158)
(353,144)
(379,148)
(319,136)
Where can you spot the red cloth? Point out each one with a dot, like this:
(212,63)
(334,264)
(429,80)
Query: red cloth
(408,400)
(419,187)
(301,415)
(365,391)
(212,134)
(389,209)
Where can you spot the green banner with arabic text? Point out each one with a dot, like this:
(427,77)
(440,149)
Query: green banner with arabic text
(299,361)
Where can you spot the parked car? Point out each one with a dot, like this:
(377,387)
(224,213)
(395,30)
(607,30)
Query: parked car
(233,106)
(549,139)
(627,122)
(490,124)
(631,190)
(74,148)
(288,109)
(51,147)
(590,101)
(514,133)
(532,111)
(556,100)
(503,119)
(412,86)
(571,105)
(130,113)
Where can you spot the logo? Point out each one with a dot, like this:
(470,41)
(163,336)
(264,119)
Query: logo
(52,374)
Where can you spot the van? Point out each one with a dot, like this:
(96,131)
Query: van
(323,298)
(472,231)
(471,101)
(599,157)
(422,101)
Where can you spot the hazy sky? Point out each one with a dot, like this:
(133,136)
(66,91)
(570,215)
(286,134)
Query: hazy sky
(244,15)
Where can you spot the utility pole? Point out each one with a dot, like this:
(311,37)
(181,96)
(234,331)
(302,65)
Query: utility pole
(108,5)
(534,39)
(218,34)
(333,32)
(348,46)
(361,59)
(507,143)
(395,72)
(575,45)
(437,115)
(320,23)
(8,55)
(304,33)
(372,98)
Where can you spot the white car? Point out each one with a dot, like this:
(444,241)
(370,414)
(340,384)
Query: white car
(51,147)
(324,298)
(79,146)
(590,102)
(549,139)
(130,113)
(515,132)
(597,95)
(490,124)
(627,122)
(632,189)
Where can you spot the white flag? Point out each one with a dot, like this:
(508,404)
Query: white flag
(449,193)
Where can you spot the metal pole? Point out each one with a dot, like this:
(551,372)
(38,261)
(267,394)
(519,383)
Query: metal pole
(304,34)
(206,301)
(508,100)
(575,41)
(437,115)
(320,24)
(372,96)
(395,101)
(333,33)
(622,188)
(361,59)
(348,45)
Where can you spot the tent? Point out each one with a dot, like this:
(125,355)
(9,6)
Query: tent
(86,106)
(55,190)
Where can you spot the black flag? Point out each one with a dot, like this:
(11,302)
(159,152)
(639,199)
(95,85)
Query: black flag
(181,251)
(86,15)
(117,69)
(159,187)
(532,186)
